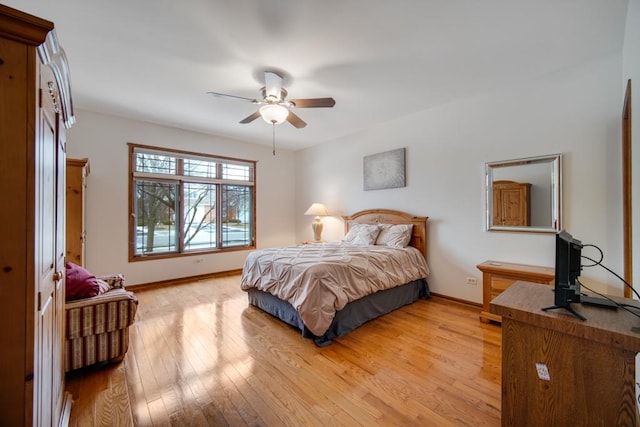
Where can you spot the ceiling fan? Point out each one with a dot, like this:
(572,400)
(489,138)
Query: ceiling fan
(275,107)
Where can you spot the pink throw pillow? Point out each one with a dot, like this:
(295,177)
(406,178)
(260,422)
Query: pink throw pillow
(82,284)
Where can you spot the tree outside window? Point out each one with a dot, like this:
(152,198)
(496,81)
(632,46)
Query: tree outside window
(183,203)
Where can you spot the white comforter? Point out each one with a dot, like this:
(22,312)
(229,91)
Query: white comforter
(320,279)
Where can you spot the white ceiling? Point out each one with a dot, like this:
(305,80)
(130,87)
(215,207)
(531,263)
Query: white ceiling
(154,60)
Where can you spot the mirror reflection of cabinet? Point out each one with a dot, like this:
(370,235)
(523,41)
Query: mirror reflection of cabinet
(535,206)
(511,203)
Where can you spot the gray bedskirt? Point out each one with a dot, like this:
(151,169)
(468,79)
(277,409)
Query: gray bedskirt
(351,316)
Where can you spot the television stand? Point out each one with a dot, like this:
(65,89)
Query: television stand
(591,364)
(568,308)
(600,302)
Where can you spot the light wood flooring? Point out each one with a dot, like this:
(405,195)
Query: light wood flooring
(199,355)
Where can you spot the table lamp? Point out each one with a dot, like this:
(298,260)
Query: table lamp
(318,210)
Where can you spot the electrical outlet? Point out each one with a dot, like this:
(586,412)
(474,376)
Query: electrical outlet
(472,281)
(543,372)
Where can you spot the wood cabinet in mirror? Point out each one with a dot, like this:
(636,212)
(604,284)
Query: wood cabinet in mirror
(524,194)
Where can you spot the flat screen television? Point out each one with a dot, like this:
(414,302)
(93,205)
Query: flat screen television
(567,270)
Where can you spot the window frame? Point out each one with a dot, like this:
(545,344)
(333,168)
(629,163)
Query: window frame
(180,180)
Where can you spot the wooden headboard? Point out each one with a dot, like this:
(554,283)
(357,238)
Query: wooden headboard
(390,216)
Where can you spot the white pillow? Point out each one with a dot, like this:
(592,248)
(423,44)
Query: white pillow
(395,235)
(362,234)
(353,230)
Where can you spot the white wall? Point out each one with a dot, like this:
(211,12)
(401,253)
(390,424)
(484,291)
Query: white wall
(575,112)
(631,70)
(103,139)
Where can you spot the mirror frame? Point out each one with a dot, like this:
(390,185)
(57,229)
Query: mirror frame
(555,161)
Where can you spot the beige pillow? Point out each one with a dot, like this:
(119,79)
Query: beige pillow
(398,235)
(362,234)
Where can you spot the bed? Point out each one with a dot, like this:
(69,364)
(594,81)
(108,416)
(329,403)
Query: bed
(328,289)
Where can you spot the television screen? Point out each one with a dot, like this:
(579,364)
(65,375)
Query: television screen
(567,271)
(567,285)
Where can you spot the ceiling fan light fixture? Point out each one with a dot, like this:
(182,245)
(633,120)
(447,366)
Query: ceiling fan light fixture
(274,113)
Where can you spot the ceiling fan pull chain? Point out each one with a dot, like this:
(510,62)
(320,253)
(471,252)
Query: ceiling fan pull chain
(273,124)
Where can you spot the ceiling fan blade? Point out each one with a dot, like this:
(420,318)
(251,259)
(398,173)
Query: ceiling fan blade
(224,95)
(312,102)
(295,120)
(273,85)
(250,118)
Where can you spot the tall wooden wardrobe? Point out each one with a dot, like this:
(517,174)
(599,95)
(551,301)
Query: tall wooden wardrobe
(511,203)
(77,172)
(35,111)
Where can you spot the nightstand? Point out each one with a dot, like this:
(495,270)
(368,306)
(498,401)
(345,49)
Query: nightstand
(498,276)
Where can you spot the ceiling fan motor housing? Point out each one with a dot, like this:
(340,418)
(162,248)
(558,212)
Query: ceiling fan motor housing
(271,99)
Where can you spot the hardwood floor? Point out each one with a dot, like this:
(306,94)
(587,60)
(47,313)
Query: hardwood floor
(200,356)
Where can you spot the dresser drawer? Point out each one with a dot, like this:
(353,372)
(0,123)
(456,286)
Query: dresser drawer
(499,284)
(497,276)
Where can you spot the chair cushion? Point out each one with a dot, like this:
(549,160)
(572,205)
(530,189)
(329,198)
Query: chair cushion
(113,310)
(80,283)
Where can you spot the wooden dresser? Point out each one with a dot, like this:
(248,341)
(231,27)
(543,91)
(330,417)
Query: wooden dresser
(77,172)
(498,276)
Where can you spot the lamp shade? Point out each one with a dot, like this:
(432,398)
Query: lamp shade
(274,113)
(317,209)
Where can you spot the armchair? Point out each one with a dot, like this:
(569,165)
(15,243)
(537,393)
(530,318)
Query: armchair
(97,328)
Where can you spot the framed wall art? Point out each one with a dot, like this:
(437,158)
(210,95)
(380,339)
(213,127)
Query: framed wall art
(384,170)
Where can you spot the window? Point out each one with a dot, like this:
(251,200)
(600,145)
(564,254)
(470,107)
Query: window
(184,203)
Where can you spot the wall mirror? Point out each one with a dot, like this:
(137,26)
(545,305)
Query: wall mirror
(524,194)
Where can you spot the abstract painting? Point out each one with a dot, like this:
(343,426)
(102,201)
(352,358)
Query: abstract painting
(384,170)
